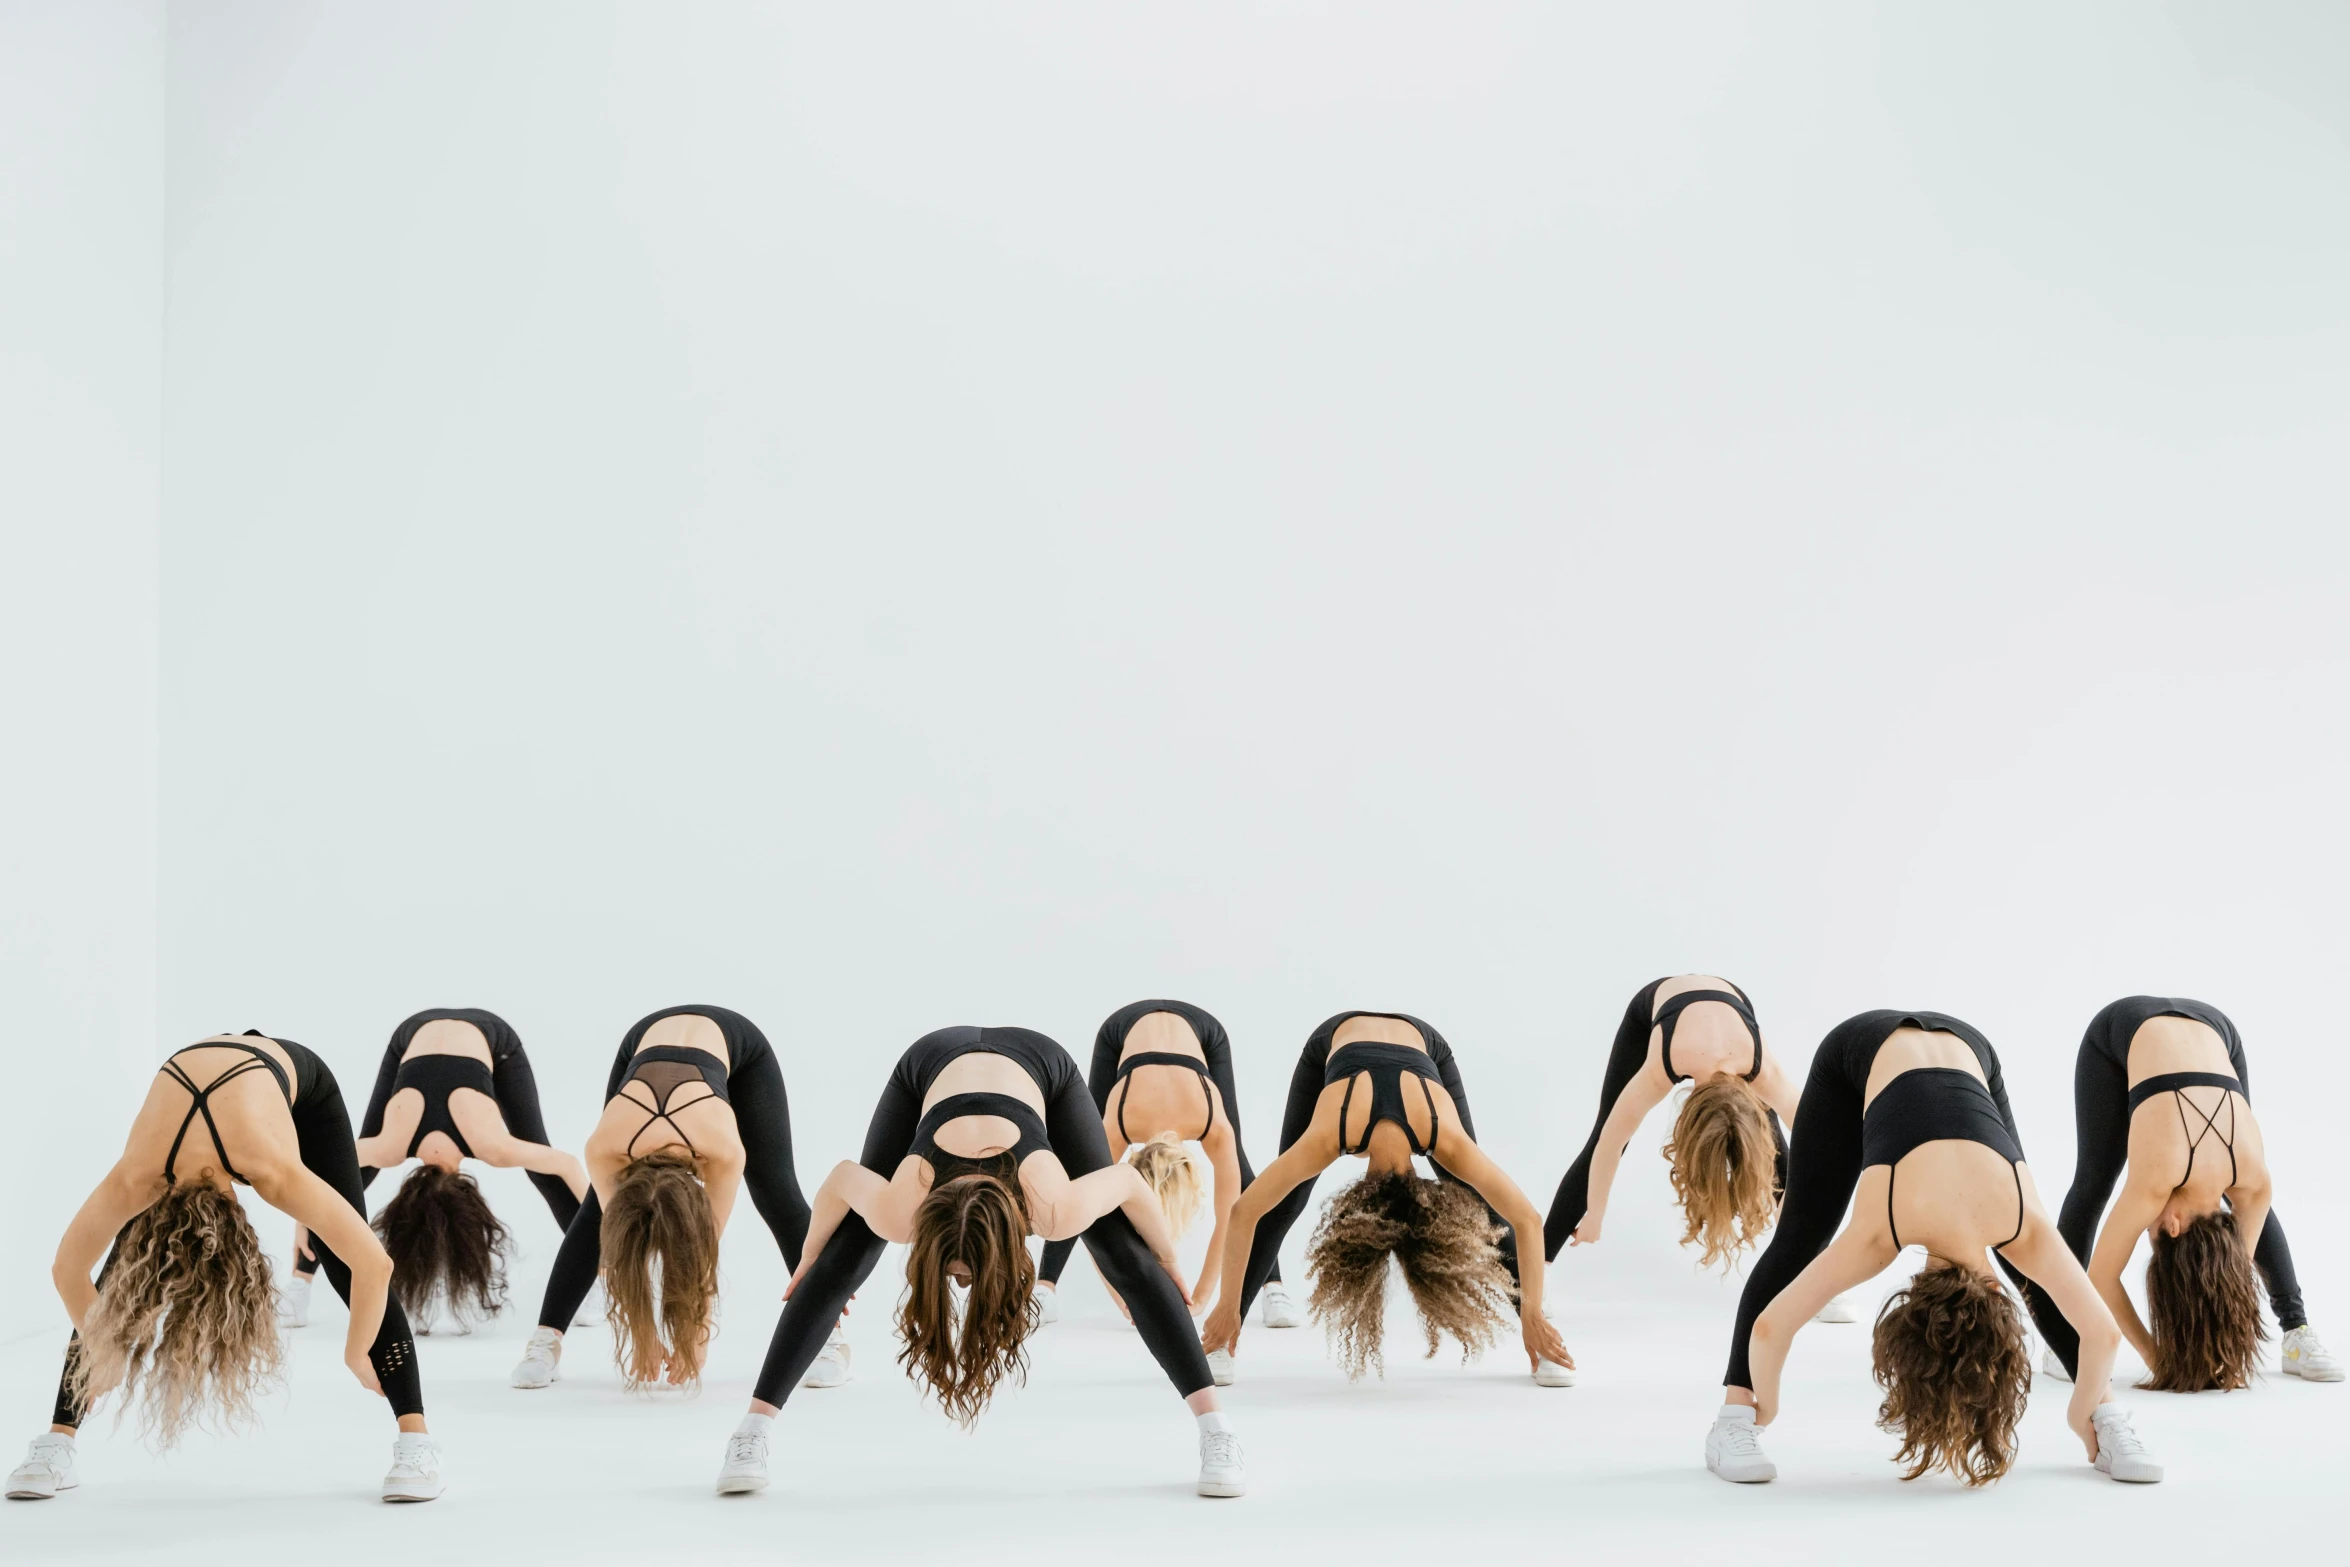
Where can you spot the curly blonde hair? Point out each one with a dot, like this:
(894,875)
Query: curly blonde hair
(1725,1164)
(1166,1168)
(185,1322)
(1448,1246)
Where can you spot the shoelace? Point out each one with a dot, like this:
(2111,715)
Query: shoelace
(1741,1437)
(416,1460)
(1221,1450)
(745,1447)
(2116,1436)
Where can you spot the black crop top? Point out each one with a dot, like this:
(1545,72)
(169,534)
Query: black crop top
(1166,1058)
(1386,1065)
(1932,1104)
(436,1077)
(947,1166)
(664,1069)
(1668,1014)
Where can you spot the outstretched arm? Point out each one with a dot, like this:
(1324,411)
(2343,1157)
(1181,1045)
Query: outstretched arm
(2042,1256)
(294,1190)
(1851,1260)
(1644,1093)
(1778,1087)
(1490,1181)
(118,1199)
(1223,1151)
(1300,1162)
(2139,1205)
(886,1205)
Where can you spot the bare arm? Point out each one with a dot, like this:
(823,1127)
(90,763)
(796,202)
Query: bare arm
(2249,1202)
(487,1135)
(886,1205)
(1300,1162)
(1223,1151)
(293,1190)
(117,1200)
(2138,1206)
(1644,1093)
(1779,1090)
(1851,1260)
(1465,1159)
(2045,1259)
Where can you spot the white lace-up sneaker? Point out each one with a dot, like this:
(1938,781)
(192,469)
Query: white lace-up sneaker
(2053,1368)
(1733,1448)
(1223,1471)
(1840,1309)
(416,1469)
(1048,1305)
(1279,1310)
(745,1469)
(591,1310)
(2304,1357)
(1549,1373)
(1220,1367)
(831,1366)
(2120,1453)
(47,1469)
(293,1302)
(542,1360)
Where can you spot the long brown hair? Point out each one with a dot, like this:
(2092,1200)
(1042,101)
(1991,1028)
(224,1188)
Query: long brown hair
(1166,1168)
(1949,1353)
(2204,1306)
(660,1213)
(185,1322)
(1447,1245)
(980,1221)
(1725,1167)
(445,1245)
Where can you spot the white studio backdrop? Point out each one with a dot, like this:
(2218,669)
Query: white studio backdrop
(889,516)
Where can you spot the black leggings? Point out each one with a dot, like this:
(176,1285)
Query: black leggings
(1110,1044)
(322,1130)
(762,1117)
(2101,1126)
(1623,1064)
(1305,1088)
(1075,1128)
(1824,1163)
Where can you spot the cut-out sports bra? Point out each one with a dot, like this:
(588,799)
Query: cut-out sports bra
(947,1166)
(2171,1083)
(1933,1104)
(664,1069)
(436,1077)
(199,1099)
(1668,1014)
(1166,1058)
(1386,1065)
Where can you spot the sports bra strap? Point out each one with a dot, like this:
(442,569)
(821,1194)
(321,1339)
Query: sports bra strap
(1166,1058)
(1667,1016)
(1894,1170)
(200,1102)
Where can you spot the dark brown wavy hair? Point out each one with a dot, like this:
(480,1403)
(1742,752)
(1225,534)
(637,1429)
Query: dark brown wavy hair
(1725,1167)
(445,1245)
(660,1269)
(2204,1306)
(980,1221)
(185,1323)
(1448,1246)
(1949,1352)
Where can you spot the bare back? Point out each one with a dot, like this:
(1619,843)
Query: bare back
(1158,1098)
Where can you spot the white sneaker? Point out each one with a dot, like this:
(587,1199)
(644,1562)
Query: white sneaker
(2120,1453)
(1279,1310)
(745,1469)
(1223,1470)
(2304,1357)
(1839,1309)
(47,1469)
(542,1360)
(591,1310)
(1220,1367)
(293,1301)
(416,1469)
(2053,1368)
(1048,1305)
(1733,1448)
(831,1367)
(1549,1373)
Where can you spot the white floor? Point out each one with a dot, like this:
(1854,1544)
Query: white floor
(1096,1458)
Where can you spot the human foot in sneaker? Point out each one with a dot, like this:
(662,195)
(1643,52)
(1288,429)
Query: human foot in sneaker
(831,1367)
(1223,1469)
(47,1469)
(1220,1367)
(745,1469)
(1838,1309)
(293,1302)
(1733,1448)
(2053,1368)
(2303,1356)
(1280,1311)
(542,1360)
(1048,1304)
(2120,1452)
(416,1469)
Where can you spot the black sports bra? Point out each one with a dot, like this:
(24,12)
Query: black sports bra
(1166,1058)
(2170,1083)
(1668,1013)
(665,1069)
(946,1166)
(1386,1065)
(1933,1104)
(436,1077)
(200,1099)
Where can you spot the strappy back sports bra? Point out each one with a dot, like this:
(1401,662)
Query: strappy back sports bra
(1668,1013)
(435,1077)
(946,1166)
(1387,1064)
(200,1099)
(664,1069)
(1166,1058)
(1933,1104)
(2170,1083)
